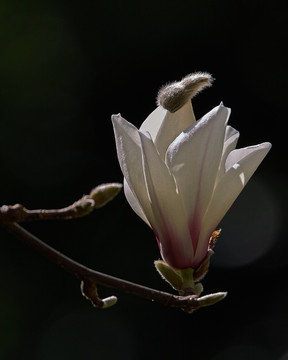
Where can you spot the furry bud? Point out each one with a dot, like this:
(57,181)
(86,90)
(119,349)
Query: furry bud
(173,96)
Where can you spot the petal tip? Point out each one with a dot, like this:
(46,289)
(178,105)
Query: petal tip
(264,146)
(115,117)
(268,145)
(222,106)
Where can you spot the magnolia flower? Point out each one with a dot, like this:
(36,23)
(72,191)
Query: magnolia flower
(181,175)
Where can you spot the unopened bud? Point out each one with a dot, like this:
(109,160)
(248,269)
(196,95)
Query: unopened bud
(211,299)
(173,96)
(109,301)
(104,193)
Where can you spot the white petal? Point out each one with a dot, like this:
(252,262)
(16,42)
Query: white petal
(230,133)
(194,159)
(134,202)
(237,155)
(171,220)
(153,122)
(164,126)
(130,158)
(233,182)
(230,142)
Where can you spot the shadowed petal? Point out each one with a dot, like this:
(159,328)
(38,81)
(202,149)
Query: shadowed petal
(134,202)
(130,158)
(232,183)
(230,142)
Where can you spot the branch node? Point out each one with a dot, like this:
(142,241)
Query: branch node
(90,292)
(12,213)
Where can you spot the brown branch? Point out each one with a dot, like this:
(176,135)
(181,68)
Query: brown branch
(91,277)
(96,199)
(11,215)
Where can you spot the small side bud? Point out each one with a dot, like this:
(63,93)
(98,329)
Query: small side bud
(104,193)
(195,303)
(90,292)
(109,301)
(173,96)
(211,299)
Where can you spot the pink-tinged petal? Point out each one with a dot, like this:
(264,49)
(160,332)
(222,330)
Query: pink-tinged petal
(171,223)
(231,184)
(173,251)
(194,159)
(164,126)
(129,153)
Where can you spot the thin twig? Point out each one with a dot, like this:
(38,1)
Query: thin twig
(96,199)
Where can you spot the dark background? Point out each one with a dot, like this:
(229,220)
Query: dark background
(65,67)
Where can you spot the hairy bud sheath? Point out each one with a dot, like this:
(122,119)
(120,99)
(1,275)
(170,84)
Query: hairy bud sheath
(173,96)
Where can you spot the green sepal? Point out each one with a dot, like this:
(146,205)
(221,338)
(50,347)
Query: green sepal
(181,280)
(169,274)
